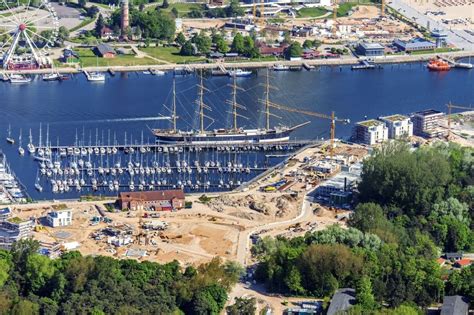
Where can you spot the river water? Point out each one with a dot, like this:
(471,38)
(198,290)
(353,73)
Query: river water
(125,106)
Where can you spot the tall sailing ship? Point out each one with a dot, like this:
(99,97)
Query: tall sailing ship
(235,135)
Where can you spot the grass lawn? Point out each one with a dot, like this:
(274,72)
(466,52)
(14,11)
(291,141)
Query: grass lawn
(183,8)
(437,50)
(89,59)
(84,22)
(344,8)
(170,54)
(311,12)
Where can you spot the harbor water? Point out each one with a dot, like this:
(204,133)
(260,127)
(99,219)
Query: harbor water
(127,105)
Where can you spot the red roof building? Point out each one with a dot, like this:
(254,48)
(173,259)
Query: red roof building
(461,263)
(265,50)
(161,200)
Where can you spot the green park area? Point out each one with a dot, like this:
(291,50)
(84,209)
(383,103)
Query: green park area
(170,54)
(312,12)
(89,59)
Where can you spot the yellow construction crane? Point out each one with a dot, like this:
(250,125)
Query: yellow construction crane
(262,13)
(382,13)
(331,117)
(450,107)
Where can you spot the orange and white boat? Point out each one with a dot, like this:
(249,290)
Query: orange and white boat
(438,65)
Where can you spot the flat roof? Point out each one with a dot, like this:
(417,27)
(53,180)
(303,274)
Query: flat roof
(428,112)
(372,45)
(370,123)
(396,117)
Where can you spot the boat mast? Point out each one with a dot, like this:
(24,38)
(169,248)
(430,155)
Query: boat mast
(267,101)
(234,102)
(201,104)
(174,105)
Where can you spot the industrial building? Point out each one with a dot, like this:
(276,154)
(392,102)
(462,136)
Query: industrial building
(162,200)
(427,123)
(370,132)
(399,126)
(370,49)
(414,45)
(13,229)
(59,218)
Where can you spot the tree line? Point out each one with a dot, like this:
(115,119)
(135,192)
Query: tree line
(31,283)
(413,206)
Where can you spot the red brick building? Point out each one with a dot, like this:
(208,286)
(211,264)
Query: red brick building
(161,200)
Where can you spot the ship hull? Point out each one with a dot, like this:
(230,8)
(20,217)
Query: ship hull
(224,138)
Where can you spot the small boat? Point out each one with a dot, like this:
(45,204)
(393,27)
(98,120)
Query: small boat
(158,72)
(9,137)
(53,76)
(18,78)
(464,65)
(146,72)
(239,73)
(96,77)
(280,67)
(438,65)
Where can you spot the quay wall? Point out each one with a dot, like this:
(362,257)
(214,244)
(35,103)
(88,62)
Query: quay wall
(259,64)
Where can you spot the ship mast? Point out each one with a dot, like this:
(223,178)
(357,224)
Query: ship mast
(174,105)
(201,104)
(267,101)
(234,103)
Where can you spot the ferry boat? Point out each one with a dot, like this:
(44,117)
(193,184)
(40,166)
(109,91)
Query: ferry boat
(438,65)
(280,67)
(18,78)
(96,77)
(239,73)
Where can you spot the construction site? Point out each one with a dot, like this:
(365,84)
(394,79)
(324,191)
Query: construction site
(211,225)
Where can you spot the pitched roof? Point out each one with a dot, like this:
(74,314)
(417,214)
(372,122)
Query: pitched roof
(105,49)
(342,300)
(455,305)
(463,262)
(152,195)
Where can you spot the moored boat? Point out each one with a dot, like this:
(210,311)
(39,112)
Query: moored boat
(18,78)
(438,65)
(239,73)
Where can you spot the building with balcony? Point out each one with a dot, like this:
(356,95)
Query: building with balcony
(370,132)
(59,218)
(427,123)
(399,126)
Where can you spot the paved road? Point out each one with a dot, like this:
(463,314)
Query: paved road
(459,38)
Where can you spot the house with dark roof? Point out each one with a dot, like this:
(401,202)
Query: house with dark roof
(342,300)
(105,51)
(455,305)
(161,200)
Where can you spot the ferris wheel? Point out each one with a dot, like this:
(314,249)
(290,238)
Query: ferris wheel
(28,30)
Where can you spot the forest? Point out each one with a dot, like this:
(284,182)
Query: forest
(73,284)
(413,206)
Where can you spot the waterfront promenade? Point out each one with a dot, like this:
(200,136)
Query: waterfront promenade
(259,64)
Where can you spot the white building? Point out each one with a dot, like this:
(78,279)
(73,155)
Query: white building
(59,218)
(399,126)
(370,132)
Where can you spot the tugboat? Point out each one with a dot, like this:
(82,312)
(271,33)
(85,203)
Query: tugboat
(438,65)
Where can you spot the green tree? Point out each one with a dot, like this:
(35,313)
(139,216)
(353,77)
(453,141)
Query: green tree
(234,9)
(308,44)
(222,46)
(180,39)
(364,295)
(165,4)
(99,25)
(175,12)
(25,307)
(39,270)
(203,43)
(461,283)
(294,50)
(187,49)
(238,44)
